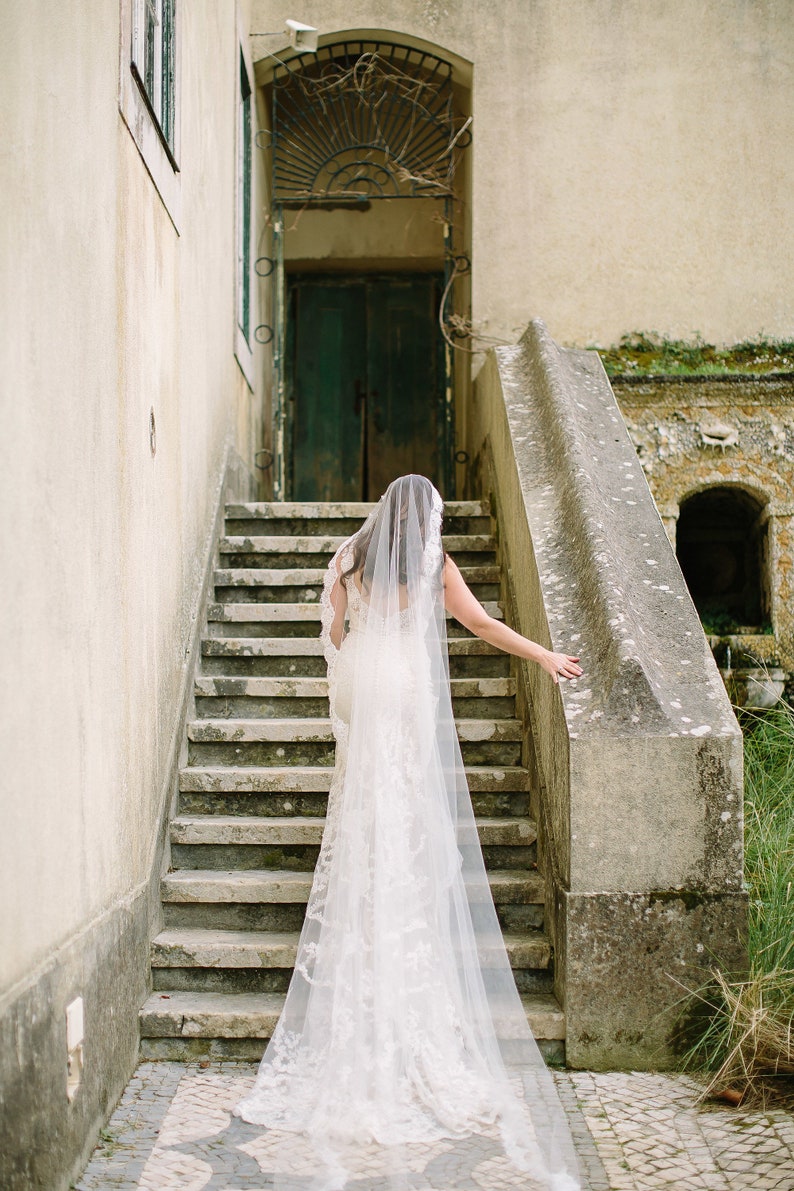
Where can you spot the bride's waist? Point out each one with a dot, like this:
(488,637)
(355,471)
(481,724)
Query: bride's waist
(397,632)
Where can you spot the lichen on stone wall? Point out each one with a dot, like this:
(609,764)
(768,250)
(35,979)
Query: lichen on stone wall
(697,434)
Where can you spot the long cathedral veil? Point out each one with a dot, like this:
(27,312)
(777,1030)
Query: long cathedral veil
(403,1057)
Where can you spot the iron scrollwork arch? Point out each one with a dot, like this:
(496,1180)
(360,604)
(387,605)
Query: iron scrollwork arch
(364,120)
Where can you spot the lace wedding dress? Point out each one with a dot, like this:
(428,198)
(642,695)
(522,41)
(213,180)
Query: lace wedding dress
(403,1037)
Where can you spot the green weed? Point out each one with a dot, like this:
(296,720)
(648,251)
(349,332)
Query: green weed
(646,353)
(747,1030)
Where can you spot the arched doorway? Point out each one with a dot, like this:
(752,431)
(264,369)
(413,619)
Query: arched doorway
(721,542)
(366,141)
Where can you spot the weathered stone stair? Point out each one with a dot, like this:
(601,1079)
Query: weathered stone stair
(253,794)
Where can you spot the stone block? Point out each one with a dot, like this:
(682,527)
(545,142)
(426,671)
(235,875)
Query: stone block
(625,961)
(655,812)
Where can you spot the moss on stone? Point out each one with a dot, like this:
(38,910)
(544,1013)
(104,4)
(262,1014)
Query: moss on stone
(646,353)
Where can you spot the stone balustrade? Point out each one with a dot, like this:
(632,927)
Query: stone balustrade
(637,765)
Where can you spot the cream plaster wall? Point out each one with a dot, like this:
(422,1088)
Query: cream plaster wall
(407,232)
(632,163)
(107,311)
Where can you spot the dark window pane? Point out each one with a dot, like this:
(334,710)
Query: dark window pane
(167,118)
(155,63)
(150,31)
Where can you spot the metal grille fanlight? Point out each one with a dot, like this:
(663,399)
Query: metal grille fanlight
(364,120)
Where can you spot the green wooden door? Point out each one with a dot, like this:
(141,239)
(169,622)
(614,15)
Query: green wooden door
(329,357)
(366,383)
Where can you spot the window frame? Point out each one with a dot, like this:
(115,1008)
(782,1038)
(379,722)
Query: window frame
(244,289)
(154,129)
(155,74)
(244,186)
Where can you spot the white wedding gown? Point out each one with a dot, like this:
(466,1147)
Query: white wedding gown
(402,1029)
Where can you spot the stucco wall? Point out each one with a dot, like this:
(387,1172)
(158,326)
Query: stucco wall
(630,163)
(108,311)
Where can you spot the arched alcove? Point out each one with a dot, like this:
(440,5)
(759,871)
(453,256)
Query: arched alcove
(721,547)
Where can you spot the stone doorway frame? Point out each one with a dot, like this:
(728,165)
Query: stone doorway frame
(356,163)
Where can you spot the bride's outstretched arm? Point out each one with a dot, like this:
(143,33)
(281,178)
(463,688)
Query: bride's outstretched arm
(466,608)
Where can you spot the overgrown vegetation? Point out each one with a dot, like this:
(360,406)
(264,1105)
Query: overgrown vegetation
(646,353)
(717,621)
(747,1042)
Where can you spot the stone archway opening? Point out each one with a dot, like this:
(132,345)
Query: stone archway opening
(368,265)
(721,542)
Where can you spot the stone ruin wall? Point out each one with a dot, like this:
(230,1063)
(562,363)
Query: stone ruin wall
(698,433)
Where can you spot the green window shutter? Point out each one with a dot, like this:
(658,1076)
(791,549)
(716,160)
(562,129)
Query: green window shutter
(244,203)
(153,60)
(168,73)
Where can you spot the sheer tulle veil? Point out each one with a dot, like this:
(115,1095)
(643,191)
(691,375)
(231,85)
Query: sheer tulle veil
(402,1057)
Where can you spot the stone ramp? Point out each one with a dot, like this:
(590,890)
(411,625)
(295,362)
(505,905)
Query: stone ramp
(638,763)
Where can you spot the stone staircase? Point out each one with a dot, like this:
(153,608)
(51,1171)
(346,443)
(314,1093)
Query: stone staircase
(252,796)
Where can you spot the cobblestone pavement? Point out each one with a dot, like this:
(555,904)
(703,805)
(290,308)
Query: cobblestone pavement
(173,1131)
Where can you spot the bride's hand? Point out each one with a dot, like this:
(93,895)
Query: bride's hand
(560,665)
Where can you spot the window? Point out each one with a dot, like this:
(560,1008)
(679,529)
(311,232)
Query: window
(244,205)
(153,61)
(149,52)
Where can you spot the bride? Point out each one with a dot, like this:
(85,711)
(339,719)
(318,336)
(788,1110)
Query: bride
(403,1055)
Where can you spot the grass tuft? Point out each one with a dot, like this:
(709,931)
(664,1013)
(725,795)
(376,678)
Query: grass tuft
(646,353)
(746,1043)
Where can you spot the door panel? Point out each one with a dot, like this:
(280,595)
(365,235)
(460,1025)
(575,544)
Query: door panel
(329,370)
(402,335)
(367,384)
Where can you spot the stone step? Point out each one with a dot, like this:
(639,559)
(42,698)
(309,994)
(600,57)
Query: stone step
(302,657)
(254,1015)
(265,886)
(264,697)
(214,686)
(180,948)
(293,613)
(333,527)
(283,839)
(260,743)
(293,544)
(313,510)
(241,730)
(302,577)
(288,778)
(468,658)
(491,804)
(253,647)
(290,830)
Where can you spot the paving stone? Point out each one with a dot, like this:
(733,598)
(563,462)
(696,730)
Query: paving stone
(174,1130)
